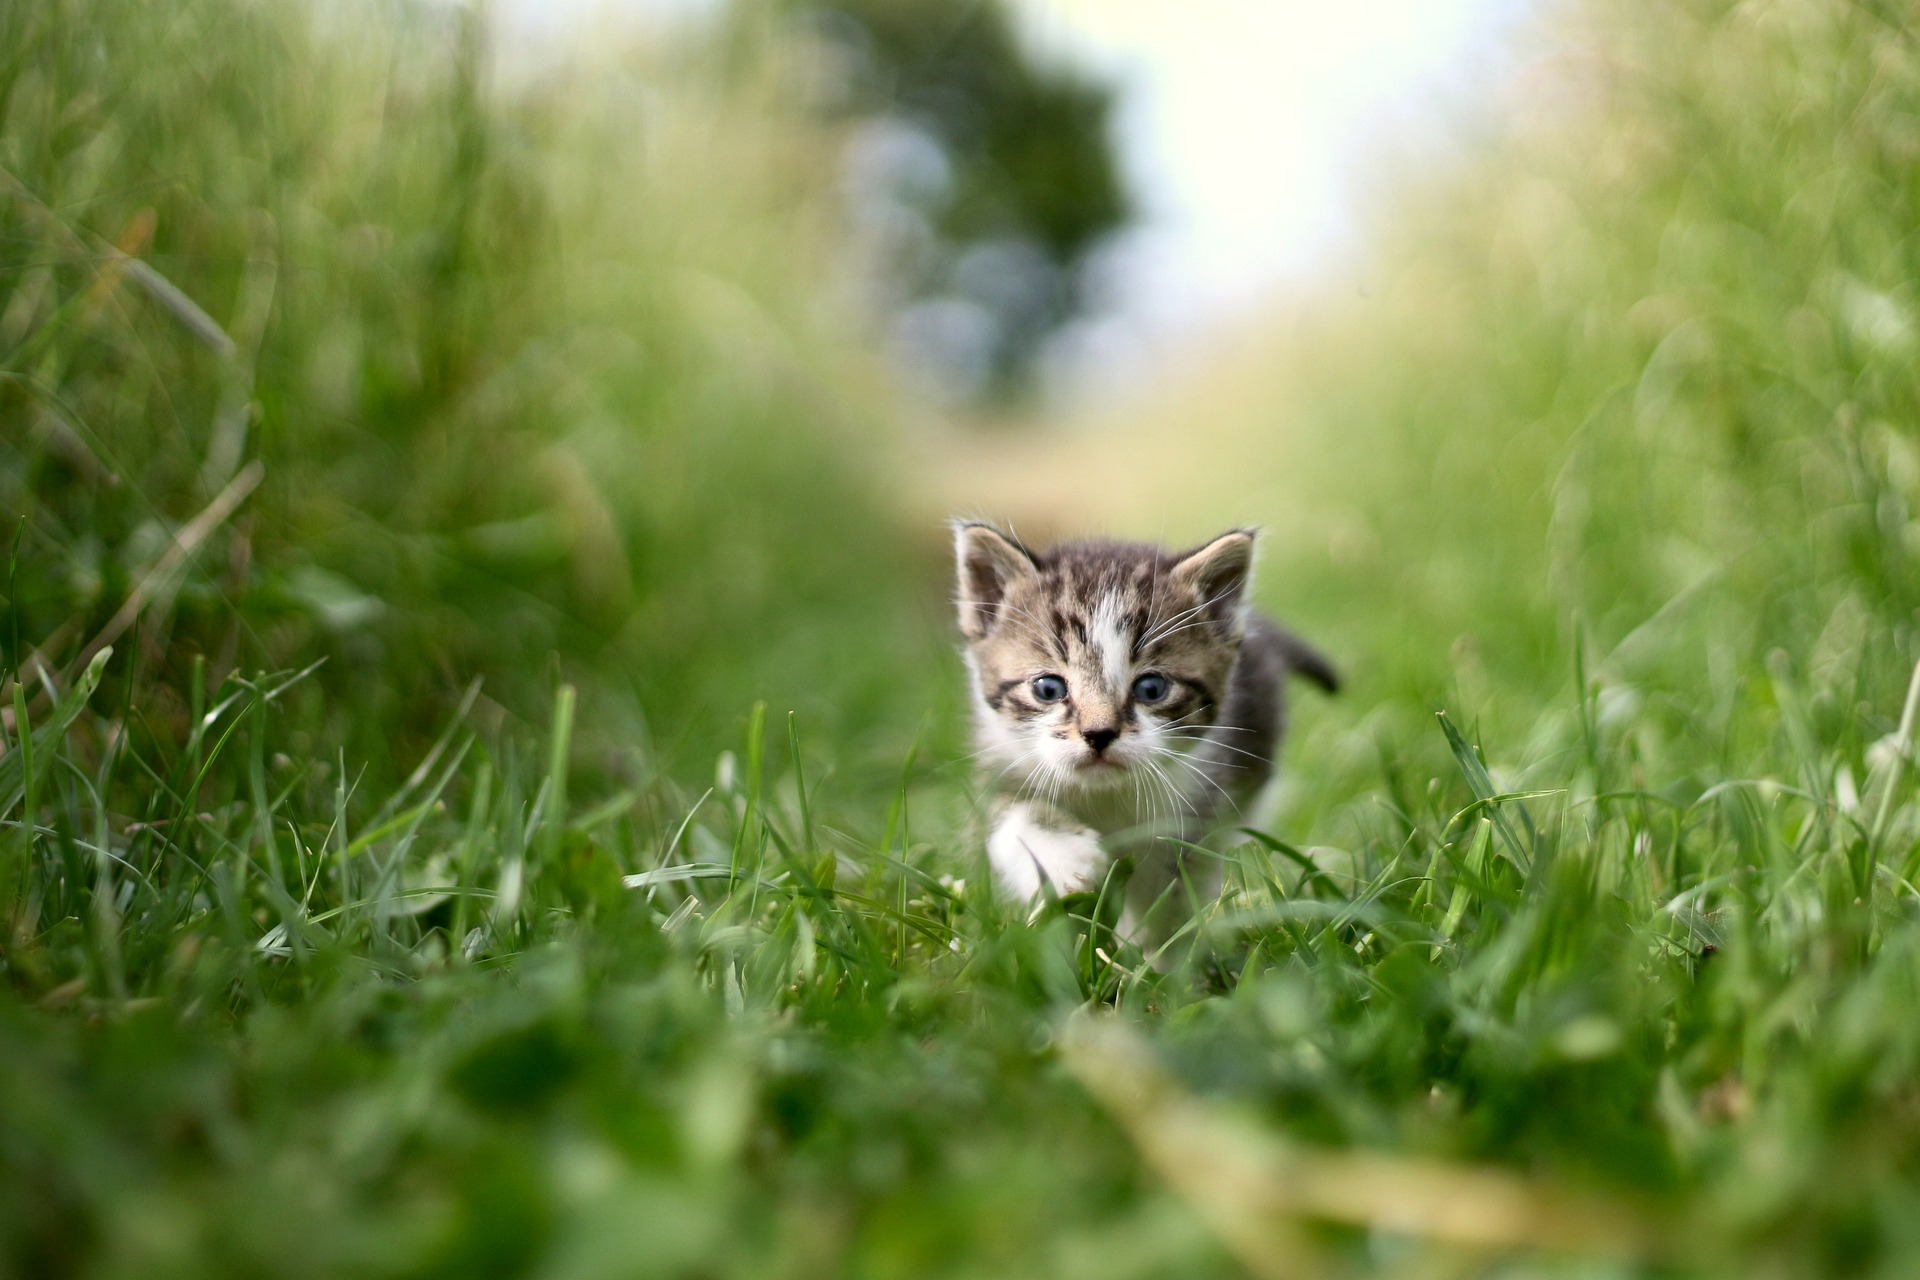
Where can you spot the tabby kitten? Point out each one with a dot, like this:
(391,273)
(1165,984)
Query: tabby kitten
(1124,696)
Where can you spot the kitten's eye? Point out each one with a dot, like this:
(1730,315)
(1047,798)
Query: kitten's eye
(1049,688)
(1151,688)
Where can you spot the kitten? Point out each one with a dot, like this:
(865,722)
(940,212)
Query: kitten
(1123,695)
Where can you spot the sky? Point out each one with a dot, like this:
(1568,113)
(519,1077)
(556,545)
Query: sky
(1246,126)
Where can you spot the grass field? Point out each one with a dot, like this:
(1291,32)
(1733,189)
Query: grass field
(483,790)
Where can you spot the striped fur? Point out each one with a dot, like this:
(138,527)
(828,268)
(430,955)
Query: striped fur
(1123,695)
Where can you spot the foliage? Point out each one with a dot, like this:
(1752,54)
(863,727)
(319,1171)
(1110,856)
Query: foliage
(1610,972)
(988,178)
(534,392)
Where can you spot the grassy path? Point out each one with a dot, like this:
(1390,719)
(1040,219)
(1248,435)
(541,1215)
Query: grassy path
(664,950)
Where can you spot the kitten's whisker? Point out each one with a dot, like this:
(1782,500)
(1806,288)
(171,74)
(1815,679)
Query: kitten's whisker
(1160,628)
(1148,807)
(1173,792)
(1199,773)
(1187,722)
(1205,736)
(1140,642)
(1024,756)
(971,756)
(1214,742)
(1015,763)
(1153,796)
(1197,622)
(1177,795)
(1162,632)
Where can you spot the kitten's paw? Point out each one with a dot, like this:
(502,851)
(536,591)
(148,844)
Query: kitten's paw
(1025,854)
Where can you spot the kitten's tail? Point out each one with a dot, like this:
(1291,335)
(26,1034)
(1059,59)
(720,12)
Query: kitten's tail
(1302,659)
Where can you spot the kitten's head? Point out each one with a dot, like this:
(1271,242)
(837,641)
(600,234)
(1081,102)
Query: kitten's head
(1095,660)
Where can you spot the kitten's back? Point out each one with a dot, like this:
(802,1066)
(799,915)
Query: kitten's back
(1254,718)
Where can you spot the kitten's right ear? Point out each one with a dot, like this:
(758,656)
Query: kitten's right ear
(1218,574)
(989,562)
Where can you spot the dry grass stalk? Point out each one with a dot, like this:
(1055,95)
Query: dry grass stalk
(1254,1187)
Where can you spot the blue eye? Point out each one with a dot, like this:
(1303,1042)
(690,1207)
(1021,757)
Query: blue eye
(1151,688)
(1049,688)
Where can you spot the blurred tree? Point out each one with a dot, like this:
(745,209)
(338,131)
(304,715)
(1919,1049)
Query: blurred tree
(981,180)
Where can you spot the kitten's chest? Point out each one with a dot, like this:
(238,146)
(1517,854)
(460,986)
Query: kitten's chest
(1144,812)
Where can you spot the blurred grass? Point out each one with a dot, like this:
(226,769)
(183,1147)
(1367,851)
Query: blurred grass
(535,364)
(349,970)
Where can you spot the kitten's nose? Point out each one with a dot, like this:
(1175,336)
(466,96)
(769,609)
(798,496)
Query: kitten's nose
(1099,739)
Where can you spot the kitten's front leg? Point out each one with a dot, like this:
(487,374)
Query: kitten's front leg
(1169,884)
(1030,843)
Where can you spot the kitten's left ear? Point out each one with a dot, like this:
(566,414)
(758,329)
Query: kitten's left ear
(1218,574)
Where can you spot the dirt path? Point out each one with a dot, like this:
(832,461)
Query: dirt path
(1202,450)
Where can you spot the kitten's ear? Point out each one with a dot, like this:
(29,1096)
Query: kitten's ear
(989,563)
(1218,574)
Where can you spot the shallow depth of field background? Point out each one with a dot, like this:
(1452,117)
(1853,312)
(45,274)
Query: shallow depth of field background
(484,788)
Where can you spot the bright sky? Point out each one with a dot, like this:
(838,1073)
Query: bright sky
(1242,125)
(1243,122)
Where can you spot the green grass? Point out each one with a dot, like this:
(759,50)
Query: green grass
(363,969)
